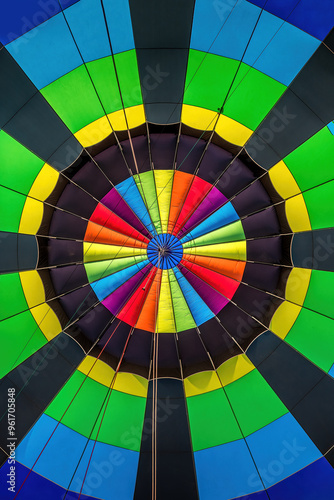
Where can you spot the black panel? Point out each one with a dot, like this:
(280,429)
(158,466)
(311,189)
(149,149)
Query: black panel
(256,303)
(236,178)
(175,467)
(101,185)
(63,251)
(40,377)
(269,250)
(306,391)
(67,278)
(65,225)
(214,162)
(168,359)
(77,201)
(314,249)
(192,353)
(112,163)
(18,252)
(253,198)
(263,223)
(78,302)
(217,341)
(189,153)
(163,150)
(137,356)
(265,277)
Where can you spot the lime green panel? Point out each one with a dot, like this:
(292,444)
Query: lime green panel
(254,402)
(74,99)
(211,420)
(11,206)
(146,185)
(127,71)
(101,269)
(320,206)
(182,314)
(123,421)
(20,337)
(84,409)
(210,85)
(12,298)
(252,96)
(19,167)
(320,293)
(231,232)
(304,161)
(313,336)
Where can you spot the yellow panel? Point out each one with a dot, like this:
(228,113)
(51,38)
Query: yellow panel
(163,185)
(284,318)
(234,368)
(100,371)
(47,320)
(205,119)
(31,218)
(100,129)
(165,319)
(201,383)
(297,285)
(44,183)
(235,250)
(233,131)
(283,180)
(33,288)
(94,252)
(131,384)
(297,214)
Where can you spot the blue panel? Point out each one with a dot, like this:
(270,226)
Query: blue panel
(119,24)
(281,449)
(129,191)
(223,216)
(20,16)
(331,127)
(279,49)
(198,308)
(223,471)
(316,17)
(47,52)
(109,284)
(88,27)
(315,482)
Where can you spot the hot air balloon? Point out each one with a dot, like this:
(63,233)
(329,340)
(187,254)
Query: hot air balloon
(167,249)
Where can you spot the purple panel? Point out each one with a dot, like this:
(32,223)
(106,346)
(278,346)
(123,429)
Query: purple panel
(189,153)
(163,150)
(263,276)
(252,199)
(64,252)
(217,341)
(265,250)
(236,177)
(68,278)
(112,164)
(118,299)
(65,225)
(214,162)
(240,325)
(114,201)
(90,178)
(193,356)
(211,202)
(264,223)
(76,201)
(213,299)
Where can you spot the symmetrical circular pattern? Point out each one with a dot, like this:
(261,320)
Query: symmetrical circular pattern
(164,251)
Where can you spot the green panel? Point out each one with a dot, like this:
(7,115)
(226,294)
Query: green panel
(254,402)
(313,336)
(127,71)
(210,85)
(320,293)
(182,314)
(208,79)
(231,232)
(84,409)
(101,269)
(19,167)
(74,99)
(11,206)
(123,421)
(20,337)
(211,420)
(311,163)
(12,298)
(146,185)
(320,206)
(252,97)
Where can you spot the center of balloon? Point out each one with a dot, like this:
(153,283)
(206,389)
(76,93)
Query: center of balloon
(164,251)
